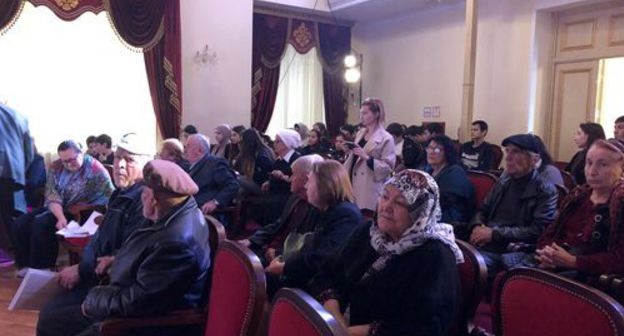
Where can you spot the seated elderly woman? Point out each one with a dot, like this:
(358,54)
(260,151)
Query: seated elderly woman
(157,269)
(457,195)
(173,150)
(397,276)
(329,190)
(587,236)
(72,179)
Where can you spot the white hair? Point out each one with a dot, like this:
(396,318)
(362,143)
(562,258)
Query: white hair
(203,140)
(306,162)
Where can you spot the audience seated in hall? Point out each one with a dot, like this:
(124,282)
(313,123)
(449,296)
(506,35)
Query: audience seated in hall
(297,216)
(348,131)
(325,137)
(586,240)
(173,150)
(221,147)
(397,276)
(329,190)
(92,146)
(103,145)
(341,150)
(286,143)
(431,130)
(397,131)
(216,182)
(156,270)
(414,156)
(186,131)
(477,154)
(123,216)
(517,209)
(457,194)
(315,144)
(585,136)
(544,166)
(72,179)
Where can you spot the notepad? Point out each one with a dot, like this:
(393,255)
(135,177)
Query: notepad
(36,290)
(73,229)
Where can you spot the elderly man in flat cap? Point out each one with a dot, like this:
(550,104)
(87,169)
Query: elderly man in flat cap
(123,216)
(161,267)
(517,209)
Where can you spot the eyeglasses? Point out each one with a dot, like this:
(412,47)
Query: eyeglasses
(436,150)
(70,160)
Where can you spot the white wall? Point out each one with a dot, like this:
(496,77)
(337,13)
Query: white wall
(219,93)
(418,61)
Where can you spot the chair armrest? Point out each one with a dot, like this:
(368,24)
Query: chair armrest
(604,282)
(122,326)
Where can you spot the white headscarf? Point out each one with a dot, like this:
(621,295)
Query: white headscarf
(423,198)
(290,138)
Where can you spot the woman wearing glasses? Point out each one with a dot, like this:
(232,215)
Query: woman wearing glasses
(456,192)
(72,179)
(371,158)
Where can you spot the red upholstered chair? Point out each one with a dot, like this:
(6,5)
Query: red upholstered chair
(237,297)
(473,278)
(498,156)
(568,179)
(561,164)
(532,302)
(483,183)
(295,313)
(217,233)
(562,193)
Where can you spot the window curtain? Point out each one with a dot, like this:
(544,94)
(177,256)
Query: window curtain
(269,43)
(154,26)
(335,44)
(9,12)
(300,92)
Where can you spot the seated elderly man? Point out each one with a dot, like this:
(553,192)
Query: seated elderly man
(297,215)
(517,209)
(161,267)
(124,215)
(217,183)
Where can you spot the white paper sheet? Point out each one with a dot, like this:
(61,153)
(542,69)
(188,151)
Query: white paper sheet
(73,229)
(37,289)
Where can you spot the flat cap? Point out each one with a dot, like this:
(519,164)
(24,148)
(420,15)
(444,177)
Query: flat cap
(134,144)
(526,142)
(161,175)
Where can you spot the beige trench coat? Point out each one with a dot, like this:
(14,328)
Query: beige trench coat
(367,183)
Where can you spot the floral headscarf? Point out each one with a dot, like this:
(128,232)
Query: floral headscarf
(423,198)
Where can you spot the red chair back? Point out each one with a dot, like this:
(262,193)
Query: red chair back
(473,279)
(563,192)
(296,313)
(561,165)
(498,156)
(532,302)
(238,292)
(568,179)
(483,183)
(216,233)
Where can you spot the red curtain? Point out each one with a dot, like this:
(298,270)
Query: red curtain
(269,43)
(163,64)
(71,10)
(335,43)
(9,9)
(138,22)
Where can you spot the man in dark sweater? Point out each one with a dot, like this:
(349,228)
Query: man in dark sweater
(477,154)
(517,209)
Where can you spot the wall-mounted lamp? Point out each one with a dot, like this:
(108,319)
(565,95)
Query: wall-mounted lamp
(206,56)
(354,67)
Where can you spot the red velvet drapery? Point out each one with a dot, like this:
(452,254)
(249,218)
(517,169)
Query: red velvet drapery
(163,64)
(270,36)
(9,10)
(150,25)
(269,43)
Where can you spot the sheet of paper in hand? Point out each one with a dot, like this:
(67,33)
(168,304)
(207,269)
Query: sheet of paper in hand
(37,289)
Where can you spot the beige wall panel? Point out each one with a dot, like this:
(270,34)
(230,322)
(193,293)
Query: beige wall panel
(616,30)
(577,35)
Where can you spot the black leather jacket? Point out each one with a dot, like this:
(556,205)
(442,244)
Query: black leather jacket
(537,209)
(160,267)
(124,214)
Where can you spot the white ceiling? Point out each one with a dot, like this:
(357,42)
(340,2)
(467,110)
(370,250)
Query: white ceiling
(374,10)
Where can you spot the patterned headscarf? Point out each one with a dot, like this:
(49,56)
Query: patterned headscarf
(423,199)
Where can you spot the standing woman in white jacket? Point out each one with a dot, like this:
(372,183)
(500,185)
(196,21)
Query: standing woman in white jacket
(371,157)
